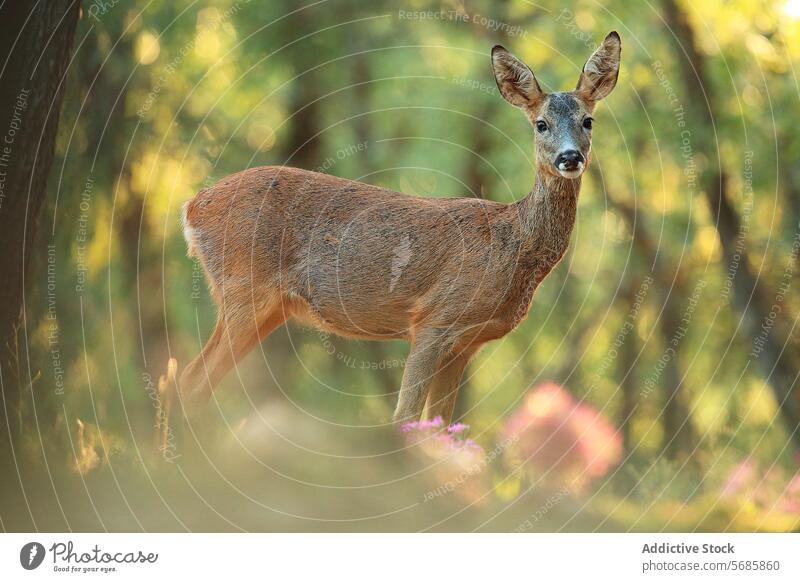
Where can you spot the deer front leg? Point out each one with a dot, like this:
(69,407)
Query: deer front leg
(427,350)
(445,386)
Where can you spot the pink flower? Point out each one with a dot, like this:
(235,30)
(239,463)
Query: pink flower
(417,425)
(768,489)
(457,427)
(421,425)
(434,435)
(457,462)
(742,476)
(791,495)
(554,434)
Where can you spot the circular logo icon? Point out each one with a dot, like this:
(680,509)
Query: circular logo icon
(31,555)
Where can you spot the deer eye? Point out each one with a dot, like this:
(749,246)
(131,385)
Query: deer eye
(541,126)
(587,123)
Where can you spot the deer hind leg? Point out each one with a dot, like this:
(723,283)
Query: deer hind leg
(445,386)
(428,348)
(239,328)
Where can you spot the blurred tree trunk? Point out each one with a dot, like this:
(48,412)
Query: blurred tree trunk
(108,129)
(678,433)
(303,145)
(579,331)
(789,182)
(138,268)
(778,365)
(36,47)
(479,152)
(628,380)
(678,437)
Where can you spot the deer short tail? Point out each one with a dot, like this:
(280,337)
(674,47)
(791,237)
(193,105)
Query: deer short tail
(189,231)
(200,241)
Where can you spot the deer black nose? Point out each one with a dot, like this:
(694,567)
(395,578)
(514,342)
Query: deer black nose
(569,160)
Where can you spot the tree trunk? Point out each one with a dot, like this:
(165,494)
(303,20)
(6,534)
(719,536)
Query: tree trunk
(678,438)
(676,416)
(303,145)
(36,46)
(778,365)
(629,385)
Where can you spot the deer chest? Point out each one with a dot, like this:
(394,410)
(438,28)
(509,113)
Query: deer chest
(526,280)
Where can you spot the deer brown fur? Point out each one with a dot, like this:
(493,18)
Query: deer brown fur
(365,262)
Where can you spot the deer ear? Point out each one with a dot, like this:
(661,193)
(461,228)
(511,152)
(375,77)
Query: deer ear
(601,70)
(515,80)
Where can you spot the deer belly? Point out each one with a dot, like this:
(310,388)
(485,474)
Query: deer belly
(362,316)
(360,284)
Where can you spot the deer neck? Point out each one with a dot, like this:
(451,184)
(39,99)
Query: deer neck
(547,216)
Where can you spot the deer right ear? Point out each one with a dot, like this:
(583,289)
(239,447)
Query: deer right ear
(515,80)
(599,74)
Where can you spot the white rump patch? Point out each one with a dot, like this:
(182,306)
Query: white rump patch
(189,233)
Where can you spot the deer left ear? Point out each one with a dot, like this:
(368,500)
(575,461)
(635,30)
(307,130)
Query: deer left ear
(600,72)
(517,83)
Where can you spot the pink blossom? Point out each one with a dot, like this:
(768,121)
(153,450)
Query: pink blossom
(433,433)
(554,434)
(769,489)
(457,427)
(413,425)
(742,476)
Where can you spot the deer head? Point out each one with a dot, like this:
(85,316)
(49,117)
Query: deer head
(563,120)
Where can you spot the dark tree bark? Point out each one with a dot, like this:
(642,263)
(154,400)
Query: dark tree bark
(478,152)
(304,146)
(777,364)
(789,182)
(628,383)
(679,437)
(36,45)
(676,418)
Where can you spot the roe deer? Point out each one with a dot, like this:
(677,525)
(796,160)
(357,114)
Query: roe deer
(365,262)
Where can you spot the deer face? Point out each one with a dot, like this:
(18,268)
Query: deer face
(562,121)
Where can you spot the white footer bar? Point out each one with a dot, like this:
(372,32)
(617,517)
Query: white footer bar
(402,557)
